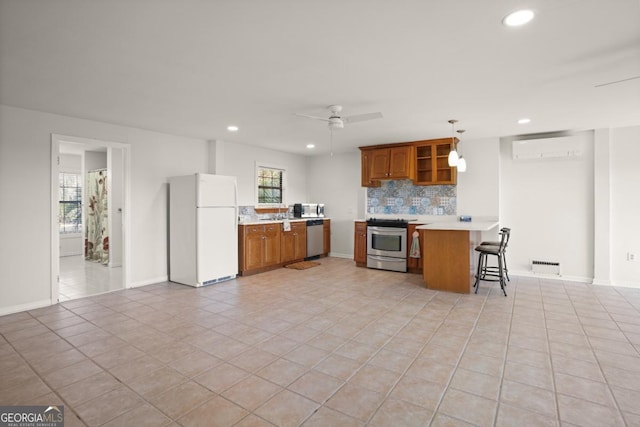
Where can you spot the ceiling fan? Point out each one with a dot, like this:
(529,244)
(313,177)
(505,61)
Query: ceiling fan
(336,121)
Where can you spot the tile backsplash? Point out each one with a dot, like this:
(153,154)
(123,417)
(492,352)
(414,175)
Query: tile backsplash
(402,197)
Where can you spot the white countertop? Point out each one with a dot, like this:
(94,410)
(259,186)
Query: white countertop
(459,225)
(274,221)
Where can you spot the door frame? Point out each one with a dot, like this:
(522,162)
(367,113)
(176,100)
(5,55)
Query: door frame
(87,143)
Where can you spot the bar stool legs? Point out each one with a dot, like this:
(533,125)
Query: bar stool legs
(484,272)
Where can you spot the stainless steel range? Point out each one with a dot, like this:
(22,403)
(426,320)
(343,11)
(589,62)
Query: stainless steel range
(387,244)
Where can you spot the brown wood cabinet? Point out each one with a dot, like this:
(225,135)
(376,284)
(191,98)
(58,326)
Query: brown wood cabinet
(432,163)
(258,247)
(360,243)
(414,265)
(365,164)
(391,163)
(293,243)
(452,261)
(326,230)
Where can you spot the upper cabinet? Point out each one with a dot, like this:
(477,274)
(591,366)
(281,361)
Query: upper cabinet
(391,163)
(432,163)
(365,165)
(424,162)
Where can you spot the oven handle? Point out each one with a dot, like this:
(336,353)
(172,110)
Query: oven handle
(385,230)
(386,258)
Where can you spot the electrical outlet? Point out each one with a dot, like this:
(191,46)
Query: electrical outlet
(631,256)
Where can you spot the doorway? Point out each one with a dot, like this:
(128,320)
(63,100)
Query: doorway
(89,196)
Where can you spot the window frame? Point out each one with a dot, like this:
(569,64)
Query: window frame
(78,228)
(262,165)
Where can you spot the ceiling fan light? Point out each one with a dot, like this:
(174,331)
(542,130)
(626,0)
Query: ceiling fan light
(336,123)
(462,164)
(453,158)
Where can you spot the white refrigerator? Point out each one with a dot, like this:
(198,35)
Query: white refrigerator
(203,229)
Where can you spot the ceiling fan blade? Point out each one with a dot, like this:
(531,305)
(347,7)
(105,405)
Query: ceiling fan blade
(618,81)
(362,117)
(324,119)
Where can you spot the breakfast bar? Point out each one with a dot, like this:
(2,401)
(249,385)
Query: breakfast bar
(448,253)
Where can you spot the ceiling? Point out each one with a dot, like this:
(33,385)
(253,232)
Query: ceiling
(194,67)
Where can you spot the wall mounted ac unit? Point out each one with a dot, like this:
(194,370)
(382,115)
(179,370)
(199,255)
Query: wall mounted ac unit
(563,146)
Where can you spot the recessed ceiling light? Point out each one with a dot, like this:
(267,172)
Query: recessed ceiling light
(517,18)
(311,146)
(232,128)
(523,121)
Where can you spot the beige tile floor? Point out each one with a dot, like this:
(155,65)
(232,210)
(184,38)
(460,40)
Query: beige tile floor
(335,345)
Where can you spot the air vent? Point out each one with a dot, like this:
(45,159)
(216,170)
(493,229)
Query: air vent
(528,149)
(545,267)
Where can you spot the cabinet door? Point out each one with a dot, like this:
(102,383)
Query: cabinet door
(326,230)
(271,244)
(300,245)
(288,245)
(379,163)
(253,247)
(365,164)
(360,243)
(401,163)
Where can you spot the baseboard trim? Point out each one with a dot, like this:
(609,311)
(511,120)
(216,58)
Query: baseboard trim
(552,277)
(339,255)
(149,282)
(625,284)
(25,307)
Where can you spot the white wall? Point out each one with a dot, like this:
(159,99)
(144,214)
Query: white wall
(548,203)
(625,205)
(239,160)
(25,153)
(335,181)
(478,189)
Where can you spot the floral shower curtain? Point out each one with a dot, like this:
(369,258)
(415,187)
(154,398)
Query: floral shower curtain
(96,242)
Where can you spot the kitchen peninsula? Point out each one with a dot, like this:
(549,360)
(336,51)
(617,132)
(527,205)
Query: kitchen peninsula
(448,252)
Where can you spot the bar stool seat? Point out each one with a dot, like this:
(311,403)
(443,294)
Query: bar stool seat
(492,273)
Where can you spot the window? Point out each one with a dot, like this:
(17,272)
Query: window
(270,185)
(70,204)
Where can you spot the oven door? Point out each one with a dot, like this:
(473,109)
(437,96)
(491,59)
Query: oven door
(387,242)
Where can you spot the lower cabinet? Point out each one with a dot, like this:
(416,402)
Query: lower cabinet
(293,243)
(326,229)
(263,247)
(258,247)
(360,243)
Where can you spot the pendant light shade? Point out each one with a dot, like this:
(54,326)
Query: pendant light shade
(462,164)
(453,154)
(453,157)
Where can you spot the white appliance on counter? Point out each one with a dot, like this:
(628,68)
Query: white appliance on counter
(203,229)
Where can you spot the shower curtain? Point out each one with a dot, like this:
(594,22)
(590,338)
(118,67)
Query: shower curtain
(96,242)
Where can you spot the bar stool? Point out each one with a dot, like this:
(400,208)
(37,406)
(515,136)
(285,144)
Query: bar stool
(491,273)
(504,258)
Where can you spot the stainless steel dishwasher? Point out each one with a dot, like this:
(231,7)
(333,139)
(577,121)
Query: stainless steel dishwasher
(315,238)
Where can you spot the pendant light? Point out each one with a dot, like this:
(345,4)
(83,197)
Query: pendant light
(453,154)
(462,163)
